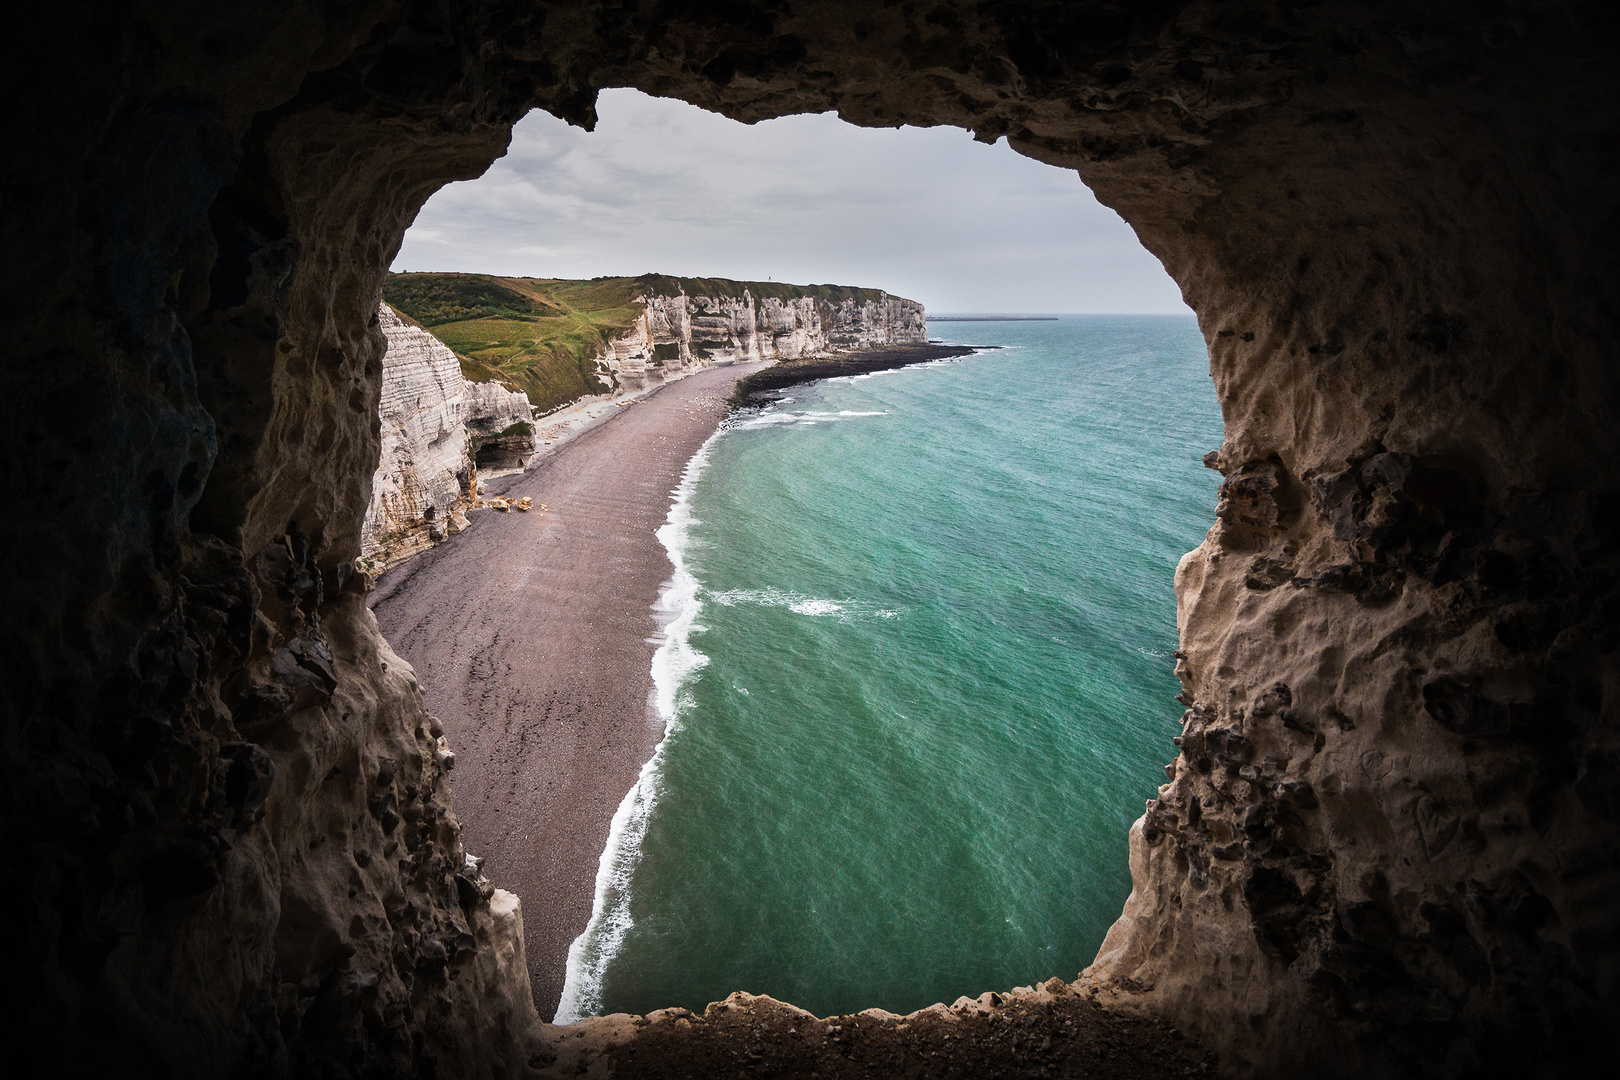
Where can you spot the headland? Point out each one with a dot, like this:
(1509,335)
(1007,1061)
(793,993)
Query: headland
(762,384)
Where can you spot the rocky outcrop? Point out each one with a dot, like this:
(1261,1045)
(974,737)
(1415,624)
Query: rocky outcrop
(1390,844)
(1052,1029)
(436,428)
(765,384)
(678,332)
(1393,736)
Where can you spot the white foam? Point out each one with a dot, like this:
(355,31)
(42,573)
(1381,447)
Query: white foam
(817,607)
(674,663)
(800,604)
(776,417)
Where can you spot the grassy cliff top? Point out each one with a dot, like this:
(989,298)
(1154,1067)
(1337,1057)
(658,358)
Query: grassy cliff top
(665,285)
(436,299)
(537,335)
(542,334)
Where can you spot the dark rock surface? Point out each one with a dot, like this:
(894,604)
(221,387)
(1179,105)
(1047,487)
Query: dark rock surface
(1397,226)
(1053,1030)
(762,385)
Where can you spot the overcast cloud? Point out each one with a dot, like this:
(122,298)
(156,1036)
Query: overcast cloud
(662,186)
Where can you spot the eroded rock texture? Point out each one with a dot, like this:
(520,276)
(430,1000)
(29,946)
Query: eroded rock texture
(1389,842)
(679,331)
(435,425)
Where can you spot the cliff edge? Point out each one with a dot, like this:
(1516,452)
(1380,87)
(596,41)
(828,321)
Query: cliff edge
(560,340)
(446,416)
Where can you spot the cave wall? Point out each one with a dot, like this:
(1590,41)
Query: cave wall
(1388,843)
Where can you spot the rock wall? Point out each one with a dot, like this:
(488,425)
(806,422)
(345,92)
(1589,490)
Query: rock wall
(1391,688)
(679,332)
(1389,845)
(432,421)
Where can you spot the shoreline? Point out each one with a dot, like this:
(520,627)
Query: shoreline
(534,638)
(676,614)
(678,607)
(556,814)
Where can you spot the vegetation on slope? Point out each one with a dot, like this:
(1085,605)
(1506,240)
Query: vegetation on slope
(538,335)
(542,335)
(664,285)
(436,299)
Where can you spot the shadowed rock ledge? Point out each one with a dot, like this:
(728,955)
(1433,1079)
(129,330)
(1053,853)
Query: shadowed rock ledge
(1388,842)
(785,373)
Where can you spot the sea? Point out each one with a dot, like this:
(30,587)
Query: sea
(916,672)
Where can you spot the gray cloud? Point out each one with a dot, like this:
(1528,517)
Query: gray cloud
(663,186)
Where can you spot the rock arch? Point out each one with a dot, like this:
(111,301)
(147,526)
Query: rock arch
(1390,833)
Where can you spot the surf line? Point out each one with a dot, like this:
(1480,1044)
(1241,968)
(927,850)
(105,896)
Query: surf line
(673,664)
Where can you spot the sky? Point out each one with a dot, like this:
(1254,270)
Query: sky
(662,186)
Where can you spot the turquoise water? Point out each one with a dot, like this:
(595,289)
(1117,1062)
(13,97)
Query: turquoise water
(917,676)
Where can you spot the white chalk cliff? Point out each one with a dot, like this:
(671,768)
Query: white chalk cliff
(680,332)
(432,417)
(434,420)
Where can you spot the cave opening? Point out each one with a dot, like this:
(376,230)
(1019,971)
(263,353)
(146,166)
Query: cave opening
(1388,846)
(812,199)
(498,454)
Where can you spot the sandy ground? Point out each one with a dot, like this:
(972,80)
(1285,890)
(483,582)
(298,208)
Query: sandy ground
(530,635)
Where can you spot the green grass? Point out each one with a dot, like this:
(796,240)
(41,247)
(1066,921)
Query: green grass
(537,335)
(541,335)
(435,299)
(664,285)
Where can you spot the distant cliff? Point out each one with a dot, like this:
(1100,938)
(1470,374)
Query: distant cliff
(687,322)
(559,340)
(434,424)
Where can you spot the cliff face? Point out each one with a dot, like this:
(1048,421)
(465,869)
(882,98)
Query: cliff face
(560,340)
(678,331)
(436,424)
(1391,844)
(433,423)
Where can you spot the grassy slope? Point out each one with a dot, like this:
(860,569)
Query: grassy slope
(540,334)
(537,335)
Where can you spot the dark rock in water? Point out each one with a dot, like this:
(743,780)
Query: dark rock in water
(760,386)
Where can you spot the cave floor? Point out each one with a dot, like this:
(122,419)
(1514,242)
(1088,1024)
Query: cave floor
(1063,1033)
